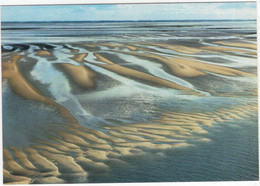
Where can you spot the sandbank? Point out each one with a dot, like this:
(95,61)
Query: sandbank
(90,163)
(81,75)
(72,138)
(23,88)
(190,68)
(22,158)
(178,48)
(86,135)
(66,163)
(15,179)
(49,180)
(43,53)
(226,49)
(242,45)
(127,136)
(97,154)
(16,168)
(41,161)
(79,57)
(48,148)
(139,75)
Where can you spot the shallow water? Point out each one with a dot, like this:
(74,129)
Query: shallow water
(129,101)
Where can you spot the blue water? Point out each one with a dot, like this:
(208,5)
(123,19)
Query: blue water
(118,100)
(232,155)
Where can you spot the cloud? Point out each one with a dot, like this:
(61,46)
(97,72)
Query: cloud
(174,11)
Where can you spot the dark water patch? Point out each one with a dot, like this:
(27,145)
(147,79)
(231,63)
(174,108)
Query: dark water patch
(249,69)
(32,120)
(7,48)
(227,157)
(193,43)
(217,82)
(217,60)
(18,28)
(198,105)
(85,47)
(221,28)
(123,62)
(13,47)
(136,108)
(44,46)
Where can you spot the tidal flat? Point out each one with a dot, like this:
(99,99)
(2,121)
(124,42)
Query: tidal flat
(102,102)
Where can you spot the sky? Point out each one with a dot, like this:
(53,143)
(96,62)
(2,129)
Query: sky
(173,11)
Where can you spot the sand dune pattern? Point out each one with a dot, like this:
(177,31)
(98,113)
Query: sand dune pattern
(76,150)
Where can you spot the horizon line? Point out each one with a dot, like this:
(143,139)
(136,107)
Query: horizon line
(133,20)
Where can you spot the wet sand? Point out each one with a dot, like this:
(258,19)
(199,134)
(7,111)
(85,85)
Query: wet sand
(171,131)
(74,149)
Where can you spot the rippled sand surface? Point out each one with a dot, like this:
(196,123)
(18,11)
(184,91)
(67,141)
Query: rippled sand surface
(69,108)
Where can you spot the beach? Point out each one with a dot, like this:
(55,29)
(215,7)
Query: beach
(100,105)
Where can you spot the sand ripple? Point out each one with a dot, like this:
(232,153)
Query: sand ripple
(71,152)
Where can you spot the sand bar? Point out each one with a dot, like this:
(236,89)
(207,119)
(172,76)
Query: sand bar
(242,45)
(23,88)
(43,53)
(22,158)
(190,68)
(79,57)
(81,75)
(140,75)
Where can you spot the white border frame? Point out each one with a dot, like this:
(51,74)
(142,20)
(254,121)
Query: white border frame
(80,2)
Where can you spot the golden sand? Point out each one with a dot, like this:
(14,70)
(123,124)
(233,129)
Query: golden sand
(74,139)
(67,145)
(132,48)
(125,130)
(216,49)
(140,75)
(168,131)
(16,168)
(242,45)
(111,45)
(66,162)
(22,158)
(49,180)
(76,146)
(87,136)
(14,179)
(23,88)
(81,75)
(226,49)
(99,134)
(162,132)
(191,68)
(43,53)
(91,46)
(41,161)
(79,57)
(178,48)
(136,48)
(59,147)
(88,162)
(125,151)
(97,154)
(128,137)
(44,147)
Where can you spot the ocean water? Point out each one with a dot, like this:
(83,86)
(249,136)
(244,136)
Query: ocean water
(147,101)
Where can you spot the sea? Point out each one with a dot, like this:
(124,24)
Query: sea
(177,100)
